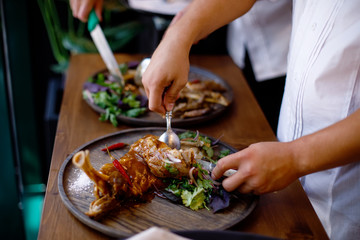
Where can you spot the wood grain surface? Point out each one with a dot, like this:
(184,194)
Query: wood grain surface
(285,214)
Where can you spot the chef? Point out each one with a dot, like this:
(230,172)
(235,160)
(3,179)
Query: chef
(319,121)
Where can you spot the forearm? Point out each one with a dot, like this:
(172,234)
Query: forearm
(168,71)
(331,147)
(205,16)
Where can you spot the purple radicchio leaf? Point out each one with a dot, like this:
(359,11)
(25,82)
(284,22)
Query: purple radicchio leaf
(143,100)
(94,88)
(133,64)
(217,140)
(123,106)
(220,201)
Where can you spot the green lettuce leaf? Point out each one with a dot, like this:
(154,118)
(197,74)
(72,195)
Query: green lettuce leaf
(195,200)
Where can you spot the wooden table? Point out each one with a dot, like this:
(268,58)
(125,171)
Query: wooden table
(285,214)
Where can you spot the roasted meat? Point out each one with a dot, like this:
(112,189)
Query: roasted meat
(147,161)
(198,98)
(163,161)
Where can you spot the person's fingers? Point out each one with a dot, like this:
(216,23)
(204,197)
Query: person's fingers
(81,8)
(155,83)
(247,188)
(172,94)
(244,180)
(235,181)
(229,162)
(75,5)
(155,102)
(84,12)
(98,9)
(147,91)
(154,93)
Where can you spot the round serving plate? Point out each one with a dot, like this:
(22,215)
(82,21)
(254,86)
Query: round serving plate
(76,191)
(154,119)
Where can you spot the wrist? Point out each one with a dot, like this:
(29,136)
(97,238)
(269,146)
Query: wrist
(179,38)
(302,157)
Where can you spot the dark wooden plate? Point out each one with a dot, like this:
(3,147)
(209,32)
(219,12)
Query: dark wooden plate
(154,119)
(75,189)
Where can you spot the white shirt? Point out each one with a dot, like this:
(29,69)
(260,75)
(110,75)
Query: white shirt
(323,87)
(265,32)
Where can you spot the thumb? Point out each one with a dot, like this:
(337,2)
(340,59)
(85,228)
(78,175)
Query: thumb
(169,100)
(171,95)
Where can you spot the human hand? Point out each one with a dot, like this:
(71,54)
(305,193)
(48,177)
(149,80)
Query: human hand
(261,168)
(166,75)
(169,66)
(82,8)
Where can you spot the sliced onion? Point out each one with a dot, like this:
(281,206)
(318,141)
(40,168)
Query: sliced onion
(160,195)
(158,192)
(197,135)
(173,159)
(167,161)
(217,140)
(192,179)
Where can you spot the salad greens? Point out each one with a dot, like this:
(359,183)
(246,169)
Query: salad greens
(203,142)
(104,91)
(195,200)
(199,190)
(195,194)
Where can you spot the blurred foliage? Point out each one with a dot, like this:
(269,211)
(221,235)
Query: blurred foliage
(72,37)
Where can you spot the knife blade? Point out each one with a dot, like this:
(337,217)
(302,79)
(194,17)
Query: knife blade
(103,47)
(209,166)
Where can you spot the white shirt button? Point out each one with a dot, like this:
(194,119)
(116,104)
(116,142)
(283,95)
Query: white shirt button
(313,26)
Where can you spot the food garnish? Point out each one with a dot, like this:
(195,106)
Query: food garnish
(199,190)
(119,167)
(114,146)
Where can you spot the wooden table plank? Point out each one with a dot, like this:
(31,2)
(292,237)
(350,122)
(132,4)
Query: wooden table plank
(285,214)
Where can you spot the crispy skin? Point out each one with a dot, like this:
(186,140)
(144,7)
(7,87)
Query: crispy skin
(163,161)
(147,161)
(82,161)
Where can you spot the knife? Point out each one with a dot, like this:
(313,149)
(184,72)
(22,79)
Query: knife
(103,47)
(209,166)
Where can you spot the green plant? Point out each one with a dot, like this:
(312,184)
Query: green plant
(74,38)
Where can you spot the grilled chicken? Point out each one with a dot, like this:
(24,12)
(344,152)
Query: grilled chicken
(147,161)
(163,161)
